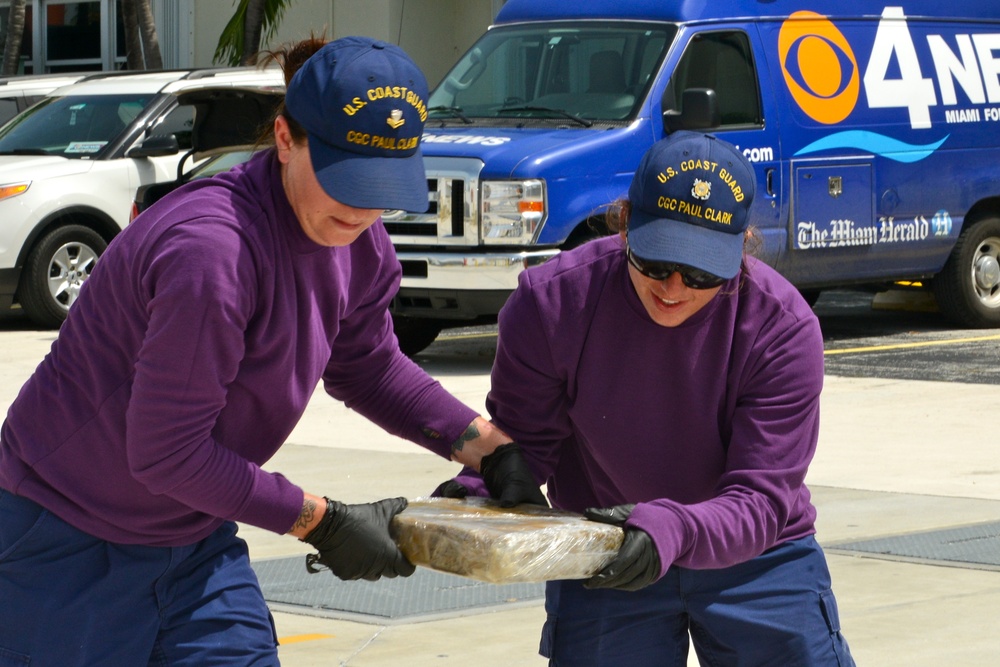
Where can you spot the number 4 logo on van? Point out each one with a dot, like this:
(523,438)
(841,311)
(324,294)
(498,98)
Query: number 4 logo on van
(821,71)
(911,90)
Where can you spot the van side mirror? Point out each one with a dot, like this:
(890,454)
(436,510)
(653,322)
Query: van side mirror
(699,111)
(157,145)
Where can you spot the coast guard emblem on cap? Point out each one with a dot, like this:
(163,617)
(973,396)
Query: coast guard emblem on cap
(701,189)
(395,119)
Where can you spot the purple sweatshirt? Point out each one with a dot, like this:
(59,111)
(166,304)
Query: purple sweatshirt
(191,354)
(709,426)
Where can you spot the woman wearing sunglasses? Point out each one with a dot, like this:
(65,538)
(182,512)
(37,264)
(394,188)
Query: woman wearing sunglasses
(661,380)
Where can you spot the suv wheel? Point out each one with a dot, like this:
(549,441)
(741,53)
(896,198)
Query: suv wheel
(55,271)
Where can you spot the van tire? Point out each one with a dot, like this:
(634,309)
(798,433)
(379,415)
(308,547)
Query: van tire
(967,289)
(55,271)
(415,334)
(590,229)
(811,296)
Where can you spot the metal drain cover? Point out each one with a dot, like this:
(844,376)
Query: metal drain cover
(976,546)
(427,594)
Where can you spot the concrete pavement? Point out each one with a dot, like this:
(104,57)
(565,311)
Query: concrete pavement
(895,458)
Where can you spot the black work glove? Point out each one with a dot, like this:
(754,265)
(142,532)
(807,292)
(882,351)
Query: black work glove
(354,542)
(637,564)
(451,489)
(508,479)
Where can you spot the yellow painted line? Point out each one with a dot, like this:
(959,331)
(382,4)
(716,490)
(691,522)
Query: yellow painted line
(849,350)
(902,346)
(468,336)
(295,639)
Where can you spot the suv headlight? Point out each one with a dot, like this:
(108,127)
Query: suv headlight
(13,189)
(512,212)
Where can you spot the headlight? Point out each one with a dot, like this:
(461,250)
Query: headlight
(512,211)
(13,189)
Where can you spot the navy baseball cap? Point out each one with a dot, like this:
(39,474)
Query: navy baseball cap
(690,200)
(363,104)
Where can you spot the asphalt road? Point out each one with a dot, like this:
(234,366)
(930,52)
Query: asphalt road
(860,341)
(903,342)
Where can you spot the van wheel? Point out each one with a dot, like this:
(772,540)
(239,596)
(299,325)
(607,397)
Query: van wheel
(591,229)
(968,288)
(55,271)
(415,334)
(810,295)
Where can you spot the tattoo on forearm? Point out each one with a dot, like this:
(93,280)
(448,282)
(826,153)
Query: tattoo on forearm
(471,433)
(307,515)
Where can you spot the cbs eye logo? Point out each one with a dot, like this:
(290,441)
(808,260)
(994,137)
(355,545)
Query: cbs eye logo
(819,67)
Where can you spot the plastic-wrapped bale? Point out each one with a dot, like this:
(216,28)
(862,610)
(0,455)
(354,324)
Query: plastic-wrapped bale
(476,538)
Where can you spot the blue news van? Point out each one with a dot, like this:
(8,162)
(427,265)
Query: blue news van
(874,130)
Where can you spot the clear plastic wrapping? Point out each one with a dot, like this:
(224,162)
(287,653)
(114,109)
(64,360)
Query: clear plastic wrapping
(477,538)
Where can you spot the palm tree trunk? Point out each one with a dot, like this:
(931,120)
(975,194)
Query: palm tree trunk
(12,45)
(147,28)
(253,24)
(134,59)
(142,48)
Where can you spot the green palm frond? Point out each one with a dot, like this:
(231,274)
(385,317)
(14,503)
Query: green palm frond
(230,46)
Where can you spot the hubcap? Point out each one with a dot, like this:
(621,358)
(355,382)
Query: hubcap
(71,266)
(987,273)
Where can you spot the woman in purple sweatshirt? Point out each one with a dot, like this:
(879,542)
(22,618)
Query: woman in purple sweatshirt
(661,380)
(194,347)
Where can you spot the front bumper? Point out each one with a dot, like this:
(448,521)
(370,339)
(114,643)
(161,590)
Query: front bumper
(460,285)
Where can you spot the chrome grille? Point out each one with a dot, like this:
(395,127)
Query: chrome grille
(453,195)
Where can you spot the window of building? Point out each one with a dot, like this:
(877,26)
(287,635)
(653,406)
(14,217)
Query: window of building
(70,36)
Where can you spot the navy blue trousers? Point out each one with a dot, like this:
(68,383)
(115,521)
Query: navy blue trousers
(68,598)
(776,610)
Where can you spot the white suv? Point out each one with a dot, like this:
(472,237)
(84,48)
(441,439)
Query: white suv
(70,167)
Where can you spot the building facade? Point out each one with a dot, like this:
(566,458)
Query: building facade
(88,35)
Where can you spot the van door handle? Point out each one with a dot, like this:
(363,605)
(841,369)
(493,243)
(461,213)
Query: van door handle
(769,181)
(836,186)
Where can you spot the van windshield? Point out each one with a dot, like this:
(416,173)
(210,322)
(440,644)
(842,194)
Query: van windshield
(71,126)
(582,72)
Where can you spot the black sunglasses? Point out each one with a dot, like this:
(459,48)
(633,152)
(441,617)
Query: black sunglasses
(692,277)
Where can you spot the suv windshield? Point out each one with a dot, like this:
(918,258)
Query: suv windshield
(577,71)
(71,126)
